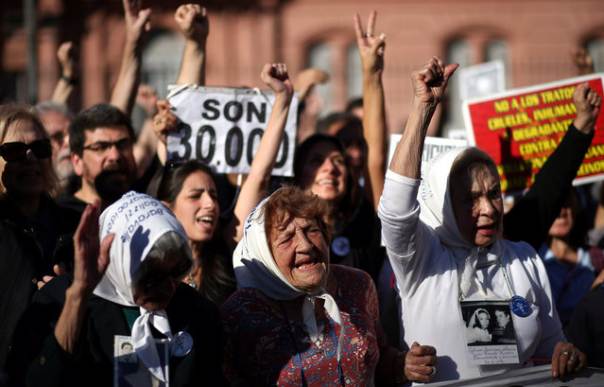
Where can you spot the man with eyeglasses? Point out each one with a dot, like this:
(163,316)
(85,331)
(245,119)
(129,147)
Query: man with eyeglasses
(101,141)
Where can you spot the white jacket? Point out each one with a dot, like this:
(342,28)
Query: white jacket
(428,258)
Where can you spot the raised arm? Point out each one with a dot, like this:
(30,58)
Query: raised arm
(145,147)
(164,122)
(253,190)
(533,214)
(126,87)
(398,208)
(90,263)
(193,22)
(308,106)
(371,49)
(429,85)
(68,79)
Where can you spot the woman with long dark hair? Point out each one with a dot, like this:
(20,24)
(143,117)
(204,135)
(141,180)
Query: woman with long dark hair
(189,189)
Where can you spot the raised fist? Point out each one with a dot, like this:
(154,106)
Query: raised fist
(430,83)
(193,21)
(588,103)
(275,76)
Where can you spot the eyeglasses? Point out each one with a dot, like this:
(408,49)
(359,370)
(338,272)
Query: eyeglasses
(125,144)
(17,151)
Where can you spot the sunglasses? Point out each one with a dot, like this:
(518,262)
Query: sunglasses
(17,151)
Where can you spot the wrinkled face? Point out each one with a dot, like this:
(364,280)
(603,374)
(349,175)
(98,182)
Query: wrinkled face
(196,206)
(563,223)
(27,176)
(301,253)
(154,285)
(324,172)
(477,204)
(483,320)
(502,318)
(107,150)
(57,127)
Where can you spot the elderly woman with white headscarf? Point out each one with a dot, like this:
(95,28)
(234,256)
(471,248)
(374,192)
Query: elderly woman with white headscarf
(296,320)
(127,318)
(444,243)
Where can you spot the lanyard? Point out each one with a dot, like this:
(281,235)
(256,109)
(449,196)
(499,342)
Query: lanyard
(298,361)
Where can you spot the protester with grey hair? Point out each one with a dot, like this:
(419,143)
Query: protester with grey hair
(56,118)
(128,288)
(445,245)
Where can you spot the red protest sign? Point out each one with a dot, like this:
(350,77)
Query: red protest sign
(520,128)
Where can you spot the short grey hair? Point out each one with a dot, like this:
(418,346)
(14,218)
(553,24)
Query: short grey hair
(52,106)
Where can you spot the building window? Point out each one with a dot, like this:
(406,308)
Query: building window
(480,46)
(497,49)
(596,50)
(354,72)
(161,61)
(458,51)
(319,56)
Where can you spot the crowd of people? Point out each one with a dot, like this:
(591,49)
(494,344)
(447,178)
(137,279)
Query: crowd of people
(120,266)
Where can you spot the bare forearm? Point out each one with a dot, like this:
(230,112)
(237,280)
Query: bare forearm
(69,326)
(193,66)
(408,154)
(62,92)
(253,189)
(375,131)
(124,92)
(145,147)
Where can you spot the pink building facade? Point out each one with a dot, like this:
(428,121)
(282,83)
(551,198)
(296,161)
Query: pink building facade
(534,38)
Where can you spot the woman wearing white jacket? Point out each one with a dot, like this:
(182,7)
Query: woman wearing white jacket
(446,250)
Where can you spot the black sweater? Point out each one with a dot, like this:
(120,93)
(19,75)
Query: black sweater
(533,214)
(92,362)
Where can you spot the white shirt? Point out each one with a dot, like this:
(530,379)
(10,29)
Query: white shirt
(428,278)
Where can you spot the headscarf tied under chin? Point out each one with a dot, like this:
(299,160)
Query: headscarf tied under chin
(256,268)
(437,211)
(137,221)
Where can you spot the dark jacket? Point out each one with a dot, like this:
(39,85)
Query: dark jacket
(533,214)
(28,250)
(92,362)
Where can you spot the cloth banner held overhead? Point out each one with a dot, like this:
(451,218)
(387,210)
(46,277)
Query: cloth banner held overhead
(222,127)
(520,128)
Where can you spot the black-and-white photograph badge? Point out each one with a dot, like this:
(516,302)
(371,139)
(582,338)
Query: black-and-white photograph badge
(128,370)
(490,332)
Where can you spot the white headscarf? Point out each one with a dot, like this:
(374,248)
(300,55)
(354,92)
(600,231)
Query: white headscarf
(138,221)
(256,268)
(437,212)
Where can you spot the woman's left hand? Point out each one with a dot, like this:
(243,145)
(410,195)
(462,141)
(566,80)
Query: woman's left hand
(567,359)
(420,363)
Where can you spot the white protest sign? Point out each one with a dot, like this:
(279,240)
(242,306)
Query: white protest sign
(481,80)
(433,146)
(222,127)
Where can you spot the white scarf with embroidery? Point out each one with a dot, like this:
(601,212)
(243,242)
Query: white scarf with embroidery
(137,220)
(256,268)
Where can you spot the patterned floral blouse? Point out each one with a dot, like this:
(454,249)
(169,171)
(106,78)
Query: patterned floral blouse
(264,347)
